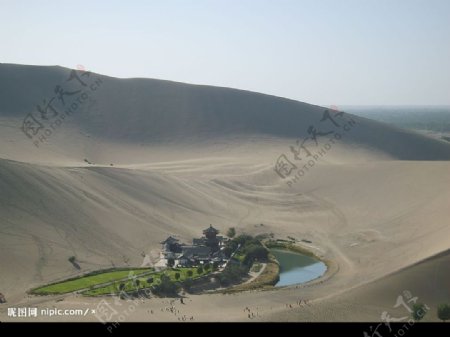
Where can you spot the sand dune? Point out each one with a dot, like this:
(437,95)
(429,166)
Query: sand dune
(427,281)
(142,159)
(157,113)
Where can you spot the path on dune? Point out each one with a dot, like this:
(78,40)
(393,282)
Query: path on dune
(340,221)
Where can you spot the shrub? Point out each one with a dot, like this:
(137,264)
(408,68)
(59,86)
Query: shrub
(418,311)
(177,276)
(199,270)
(190,273)
(443,312)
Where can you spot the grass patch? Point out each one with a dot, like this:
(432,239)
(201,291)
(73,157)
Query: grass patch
(239,256)
(143,282)
(87,281)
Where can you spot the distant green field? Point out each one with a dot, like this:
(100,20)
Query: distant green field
(129,286)
(87,281)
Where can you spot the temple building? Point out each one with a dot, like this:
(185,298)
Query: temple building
(204,250)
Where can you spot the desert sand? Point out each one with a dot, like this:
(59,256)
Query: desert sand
(144,159)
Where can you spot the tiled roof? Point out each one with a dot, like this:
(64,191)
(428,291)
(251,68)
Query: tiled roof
(197,251)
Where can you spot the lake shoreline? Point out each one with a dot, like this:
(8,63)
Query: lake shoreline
(331,266)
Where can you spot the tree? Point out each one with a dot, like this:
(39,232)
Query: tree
(255,252)
(232,274)
(418,311)
(443,312)
(199,270)
(243,239)
(72,259)
(227,251)
(121,286)
(170,262)
(207,267)
(231,232)
(137,283)
(190,273)
(150,280)
(165,287)
(177,276)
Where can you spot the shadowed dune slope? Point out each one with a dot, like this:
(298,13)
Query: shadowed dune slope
(157,111)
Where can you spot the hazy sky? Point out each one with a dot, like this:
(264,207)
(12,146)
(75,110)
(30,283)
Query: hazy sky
(322,52)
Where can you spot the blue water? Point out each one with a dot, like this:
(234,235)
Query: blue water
(296,268)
